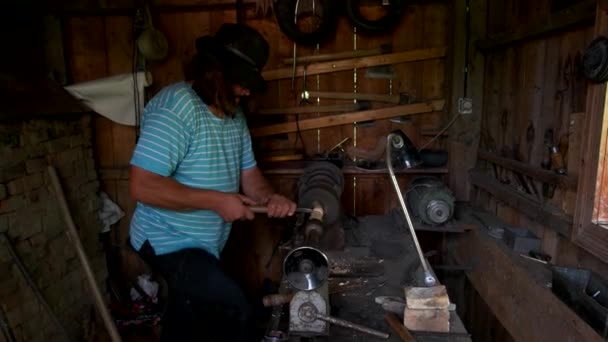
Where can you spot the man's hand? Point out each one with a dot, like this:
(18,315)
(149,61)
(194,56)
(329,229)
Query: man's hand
(233,207)
(280,206)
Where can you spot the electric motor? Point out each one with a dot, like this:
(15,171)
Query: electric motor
(430,200)
(322,182)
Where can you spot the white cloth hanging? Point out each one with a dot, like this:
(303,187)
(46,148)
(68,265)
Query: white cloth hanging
(114,97)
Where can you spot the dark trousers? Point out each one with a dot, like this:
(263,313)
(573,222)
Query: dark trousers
(204,304)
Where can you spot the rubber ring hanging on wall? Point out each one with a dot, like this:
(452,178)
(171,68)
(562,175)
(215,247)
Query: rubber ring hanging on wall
(383,24)
(285,10)
(595,60)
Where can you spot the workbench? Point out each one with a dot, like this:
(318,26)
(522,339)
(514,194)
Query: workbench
(353,298)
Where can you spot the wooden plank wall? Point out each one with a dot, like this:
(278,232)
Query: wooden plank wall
(533,86)
(101,45)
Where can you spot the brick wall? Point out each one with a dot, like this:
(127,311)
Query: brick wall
(31,218)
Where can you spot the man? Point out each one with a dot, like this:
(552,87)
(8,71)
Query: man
(193,154)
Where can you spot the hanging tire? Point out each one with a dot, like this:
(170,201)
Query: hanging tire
(595,60)
(325,28)
(383,24)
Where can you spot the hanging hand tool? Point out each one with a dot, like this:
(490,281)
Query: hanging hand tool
(384,48)
(396,141)
(395,99)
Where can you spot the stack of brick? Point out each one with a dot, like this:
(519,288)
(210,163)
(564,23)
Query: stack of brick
(427,309)
(30,216)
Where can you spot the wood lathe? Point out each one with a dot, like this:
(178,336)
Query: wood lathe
(306,268)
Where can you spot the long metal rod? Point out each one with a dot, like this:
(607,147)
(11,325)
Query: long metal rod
(429,278)
(353,326)
(74,238)
(32,285)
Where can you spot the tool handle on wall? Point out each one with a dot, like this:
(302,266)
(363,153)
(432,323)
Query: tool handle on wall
(355,96)
(75,240)
(557,160)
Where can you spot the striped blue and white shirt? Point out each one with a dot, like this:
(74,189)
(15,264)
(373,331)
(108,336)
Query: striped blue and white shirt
(182,139)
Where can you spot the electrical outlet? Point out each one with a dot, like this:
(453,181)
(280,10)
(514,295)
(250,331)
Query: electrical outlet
(465,105)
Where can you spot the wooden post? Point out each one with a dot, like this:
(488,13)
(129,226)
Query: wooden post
(464,134)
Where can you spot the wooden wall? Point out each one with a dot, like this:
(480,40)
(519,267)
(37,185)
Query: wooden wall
(99,43)
(532,87)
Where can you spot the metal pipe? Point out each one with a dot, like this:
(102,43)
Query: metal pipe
(353,326)
(397,141)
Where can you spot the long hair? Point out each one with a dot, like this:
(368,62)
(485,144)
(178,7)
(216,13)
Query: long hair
(211,83)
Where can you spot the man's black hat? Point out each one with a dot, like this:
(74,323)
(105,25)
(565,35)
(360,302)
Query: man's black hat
(242,50)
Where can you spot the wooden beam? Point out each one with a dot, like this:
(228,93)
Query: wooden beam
(594,158)
(516,292)
(577,14)
(128,7)
(346,118)
(546,214)
(351,170)
(359,62)
(546,176)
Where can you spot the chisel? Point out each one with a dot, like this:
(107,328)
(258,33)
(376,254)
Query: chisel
(264,210)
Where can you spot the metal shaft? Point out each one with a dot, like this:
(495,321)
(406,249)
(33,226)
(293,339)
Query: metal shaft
(264,210)
(429,279)
(353,326)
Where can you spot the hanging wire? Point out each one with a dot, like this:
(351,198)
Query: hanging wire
(456,116)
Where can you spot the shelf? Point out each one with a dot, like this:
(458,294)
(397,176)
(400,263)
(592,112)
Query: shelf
(297,168)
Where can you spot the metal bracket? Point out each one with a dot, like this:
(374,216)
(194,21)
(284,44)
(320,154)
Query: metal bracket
(465,105)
